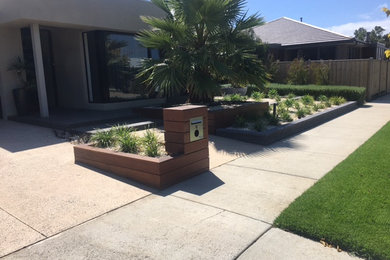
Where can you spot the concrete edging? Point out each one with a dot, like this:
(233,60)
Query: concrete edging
(280,132)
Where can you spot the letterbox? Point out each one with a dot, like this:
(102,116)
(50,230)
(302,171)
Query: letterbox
(196,129)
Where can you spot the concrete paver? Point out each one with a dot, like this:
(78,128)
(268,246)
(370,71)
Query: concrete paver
(154,228)
(278,244)
(15,234)
(258,194)
(45,189)
(292,162)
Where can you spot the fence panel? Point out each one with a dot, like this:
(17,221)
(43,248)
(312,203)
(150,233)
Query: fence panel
(374,75)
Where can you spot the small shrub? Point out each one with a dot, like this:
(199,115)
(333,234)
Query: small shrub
(297,73)
(235,98)
(308,110)
(258,96)
(278,98)
(316,107)
(129,143)
(240,122)
(289,102)
(285,116)
(301,112)
(297,105)
(260,125)
(227,98)
(291,96)
(323,98)
(121,130)
(273,93)
(271,119)
(337,101)
(319,74)
(104,139)
(321,106)
(307,100)
(327,103)
(151,144)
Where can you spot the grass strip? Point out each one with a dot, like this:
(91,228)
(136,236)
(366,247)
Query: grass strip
(350,206)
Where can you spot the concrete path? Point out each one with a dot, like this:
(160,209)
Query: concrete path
(227,213)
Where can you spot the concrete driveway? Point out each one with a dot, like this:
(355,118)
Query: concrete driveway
(226,213)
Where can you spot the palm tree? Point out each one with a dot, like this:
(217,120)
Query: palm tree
(202,42)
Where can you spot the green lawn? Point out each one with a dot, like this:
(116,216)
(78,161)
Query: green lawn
(350,206)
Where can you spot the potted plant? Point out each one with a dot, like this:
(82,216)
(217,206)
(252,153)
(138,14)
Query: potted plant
(25,97)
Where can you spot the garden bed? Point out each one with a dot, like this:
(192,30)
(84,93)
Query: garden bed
(277,133)
(219,114)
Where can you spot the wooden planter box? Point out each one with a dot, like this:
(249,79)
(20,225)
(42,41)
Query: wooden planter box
(187,158)
(225,116)
(155,172)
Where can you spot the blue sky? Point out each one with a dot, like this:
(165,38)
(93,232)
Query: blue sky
(343,16)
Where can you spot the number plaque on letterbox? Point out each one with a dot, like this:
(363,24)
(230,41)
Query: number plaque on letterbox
(196,129)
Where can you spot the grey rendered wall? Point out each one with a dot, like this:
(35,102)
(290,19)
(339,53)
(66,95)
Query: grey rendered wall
(121,15)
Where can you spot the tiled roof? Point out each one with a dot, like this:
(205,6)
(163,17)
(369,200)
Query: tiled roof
(286,31)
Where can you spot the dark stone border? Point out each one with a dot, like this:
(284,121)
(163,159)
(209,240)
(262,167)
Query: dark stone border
(280,132)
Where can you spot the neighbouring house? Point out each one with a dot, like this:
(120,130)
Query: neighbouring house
(289,39)
(83,53)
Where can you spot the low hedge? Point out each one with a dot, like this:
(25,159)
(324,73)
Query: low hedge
(349,93)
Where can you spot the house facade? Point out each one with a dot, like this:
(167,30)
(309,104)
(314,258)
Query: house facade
(82,54)
(289,39)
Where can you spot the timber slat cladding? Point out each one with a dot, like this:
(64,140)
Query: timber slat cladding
(178,127)
(182,138)
(136,175)
(183,160)
(170,169)
(176,148)
(186,172)
(121,159)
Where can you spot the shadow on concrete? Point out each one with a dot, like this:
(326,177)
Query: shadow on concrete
(381,100)
(17,137)
(198,185)
(231,146)
(119,178)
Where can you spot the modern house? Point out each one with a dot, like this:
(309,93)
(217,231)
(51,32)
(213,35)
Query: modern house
(289,39)
(82,54)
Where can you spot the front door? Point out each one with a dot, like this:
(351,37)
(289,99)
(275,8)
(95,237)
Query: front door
(48,63)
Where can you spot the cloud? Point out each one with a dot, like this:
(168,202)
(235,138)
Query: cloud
(349,28)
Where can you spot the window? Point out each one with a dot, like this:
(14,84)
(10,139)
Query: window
(113,61)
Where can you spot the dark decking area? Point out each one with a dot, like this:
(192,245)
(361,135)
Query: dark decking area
(73,120)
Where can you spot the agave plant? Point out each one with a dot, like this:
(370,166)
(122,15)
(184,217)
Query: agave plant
(201,42)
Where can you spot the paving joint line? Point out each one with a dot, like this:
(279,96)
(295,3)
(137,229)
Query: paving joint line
(75,226)
(23,222)
(253,242)
(230,211)
(277,172)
